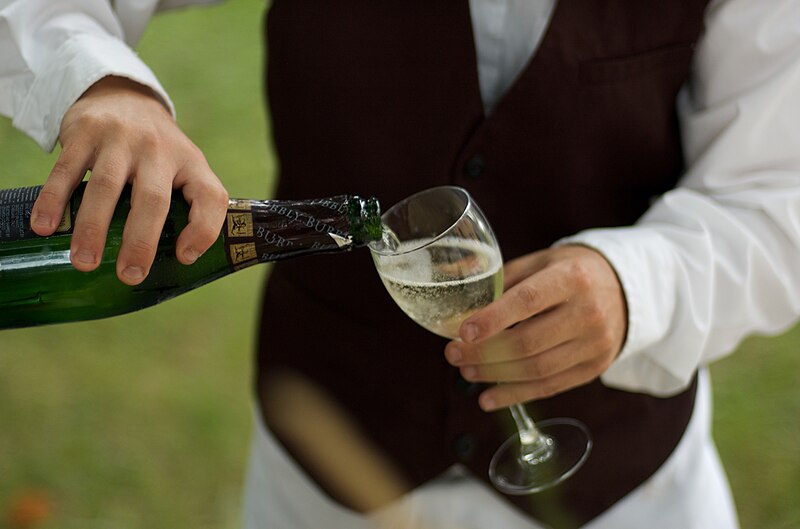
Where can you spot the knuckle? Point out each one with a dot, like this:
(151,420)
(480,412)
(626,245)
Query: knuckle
(108,122)
(206,236)
(112,163)
(593,314)
(606,339)
(84,121)
(221,197)
(89,230)
(526,343)
(149,140)
(527,297)
(215,195)
(140,247)
(580,275)
(104,183)
(154,198)
(600,364)
(533,369)
(49,197)
(192,155)
(61,169)
(196,152)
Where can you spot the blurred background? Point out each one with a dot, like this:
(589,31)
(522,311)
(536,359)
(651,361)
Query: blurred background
(143,421)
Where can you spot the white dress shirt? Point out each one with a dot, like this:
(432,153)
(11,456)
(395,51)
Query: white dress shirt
(711,262)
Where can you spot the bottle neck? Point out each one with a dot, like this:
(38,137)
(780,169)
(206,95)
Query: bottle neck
(270,230)
(365,219)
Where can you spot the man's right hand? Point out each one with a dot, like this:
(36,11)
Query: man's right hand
(122,132)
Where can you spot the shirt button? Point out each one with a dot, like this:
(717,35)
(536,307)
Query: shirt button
(475,166)
(465,447)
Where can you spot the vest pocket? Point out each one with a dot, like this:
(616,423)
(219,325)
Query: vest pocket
(672,59)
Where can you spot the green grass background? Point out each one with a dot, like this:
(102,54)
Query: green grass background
(142,421)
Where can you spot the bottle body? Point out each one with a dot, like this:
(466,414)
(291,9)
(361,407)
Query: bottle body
(38,284)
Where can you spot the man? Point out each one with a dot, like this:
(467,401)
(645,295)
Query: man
(640,247)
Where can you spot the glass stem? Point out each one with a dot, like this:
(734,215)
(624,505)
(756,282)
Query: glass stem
(534,446)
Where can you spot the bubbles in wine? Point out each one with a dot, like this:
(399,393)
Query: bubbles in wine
(444,282)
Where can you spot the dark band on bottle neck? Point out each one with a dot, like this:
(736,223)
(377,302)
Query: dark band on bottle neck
(261,231)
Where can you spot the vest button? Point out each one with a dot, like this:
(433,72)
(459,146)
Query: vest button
(465,447)
(475,166)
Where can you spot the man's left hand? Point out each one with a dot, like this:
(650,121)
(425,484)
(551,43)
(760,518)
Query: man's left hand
(559,324)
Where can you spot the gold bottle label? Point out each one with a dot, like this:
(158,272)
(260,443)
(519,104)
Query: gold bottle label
(243,255)
(240,224)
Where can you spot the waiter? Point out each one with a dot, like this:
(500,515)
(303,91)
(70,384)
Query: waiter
(638,164)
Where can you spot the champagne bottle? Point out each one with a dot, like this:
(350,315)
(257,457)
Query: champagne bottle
(38,284)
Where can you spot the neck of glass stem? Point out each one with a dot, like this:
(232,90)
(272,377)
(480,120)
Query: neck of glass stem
(534,446)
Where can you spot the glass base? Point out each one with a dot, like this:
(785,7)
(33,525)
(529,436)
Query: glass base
(571,444)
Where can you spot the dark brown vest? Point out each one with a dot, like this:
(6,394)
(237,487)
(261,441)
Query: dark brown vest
(382,98)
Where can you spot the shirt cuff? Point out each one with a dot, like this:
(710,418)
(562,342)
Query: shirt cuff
(646,270)
(80,62)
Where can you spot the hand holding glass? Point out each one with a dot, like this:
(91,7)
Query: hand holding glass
(440,262)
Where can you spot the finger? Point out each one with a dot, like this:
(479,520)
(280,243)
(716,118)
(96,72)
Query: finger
(543,365)
(68,171)
(532,296)
(208,202)
(150,199)
(526,339)
(520,268)
(504,395)
(97,207)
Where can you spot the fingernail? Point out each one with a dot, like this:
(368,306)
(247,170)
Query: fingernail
(469,373)
(487,403)
(190,255)
(470,332)
(453,354)
(85,257)
(133,273)
(41,221)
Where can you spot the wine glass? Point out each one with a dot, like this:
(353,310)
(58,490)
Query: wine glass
(440,262)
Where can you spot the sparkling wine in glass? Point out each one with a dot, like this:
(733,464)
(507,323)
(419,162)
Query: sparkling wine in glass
(440,262)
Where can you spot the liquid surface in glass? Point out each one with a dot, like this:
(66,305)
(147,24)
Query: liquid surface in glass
(442,284)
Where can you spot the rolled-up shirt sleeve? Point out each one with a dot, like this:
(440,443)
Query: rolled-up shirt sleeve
(51,52)
(718,258)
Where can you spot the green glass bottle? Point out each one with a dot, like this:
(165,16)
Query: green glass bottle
(38,284)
